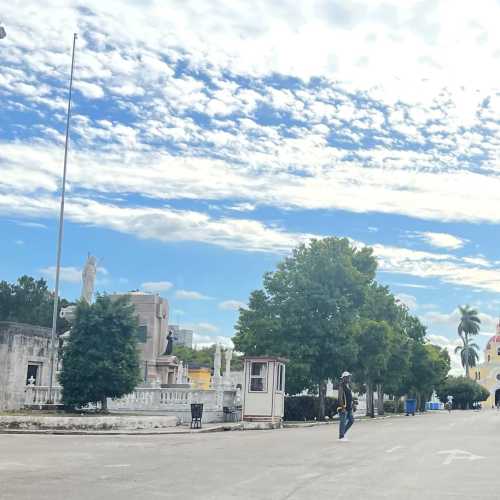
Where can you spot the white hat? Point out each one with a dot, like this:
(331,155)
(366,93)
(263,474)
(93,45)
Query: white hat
(345,374)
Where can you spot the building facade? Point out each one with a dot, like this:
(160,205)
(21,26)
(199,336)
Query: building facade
(488,373)
(24,359)
(152,312)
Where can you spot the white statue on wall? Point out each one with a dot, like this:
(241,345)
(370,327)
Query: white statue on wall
(180,373)
(217,363)
(88,277)
(229,356)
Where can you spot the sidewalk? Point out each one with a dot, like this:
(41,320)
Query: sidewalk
(180,429)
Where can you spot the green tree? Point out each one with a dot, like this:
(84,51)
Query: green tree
(373,357)
(205,357)
(308,311)
(429,367)
(101,359)
(469,355)
(29,301)
(464,391)
(381,306)
(468,326)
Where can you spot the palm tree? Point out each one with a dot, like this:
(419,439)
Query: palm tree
(468,353)
(468,326)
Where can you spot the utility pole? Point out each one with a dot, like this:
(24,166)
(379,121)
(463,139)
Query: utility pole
(60,235)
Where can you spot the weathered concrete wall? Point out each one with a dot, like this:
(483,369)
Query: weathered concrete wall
(21,344)
(87,423)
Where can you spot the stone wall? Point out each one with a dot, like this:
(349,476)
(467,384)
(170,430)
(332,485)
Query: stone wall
(20,345)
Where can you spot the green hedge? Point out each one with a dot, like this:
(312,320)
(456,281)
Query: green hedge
(394,406)
(303,408)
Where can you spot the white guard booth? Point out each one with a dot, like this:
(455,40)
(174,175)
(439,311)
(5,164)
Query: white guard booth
(264,391)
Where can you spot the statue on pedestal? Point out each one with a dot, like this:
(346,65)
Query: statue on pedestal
(170,343)
(228,354)
(217,365)
(88,277)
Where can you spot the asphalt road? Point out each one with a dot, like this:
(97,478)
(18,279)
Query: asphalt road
(434,456)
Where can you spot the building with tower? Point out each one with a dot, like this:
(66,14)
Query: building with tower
(488,373)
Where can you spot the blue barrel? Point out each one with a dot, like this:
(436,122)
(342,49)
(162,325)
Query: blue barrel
(410,406)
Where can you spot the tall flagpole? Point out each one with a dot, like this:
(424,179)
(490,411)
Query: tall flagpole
(60,236)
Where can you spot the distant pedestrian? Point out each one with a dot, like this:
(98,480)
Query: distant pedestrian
(345,408)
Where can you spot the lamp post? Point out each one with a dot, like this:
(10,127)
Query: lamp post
(59,239)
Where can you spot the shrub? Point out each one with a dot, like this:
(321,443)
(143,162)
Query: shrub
(396,406)
(302,408)
(464,391)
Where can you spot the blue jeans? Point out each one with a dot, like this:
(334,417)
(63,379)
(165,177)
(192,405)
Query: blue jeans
(346,420)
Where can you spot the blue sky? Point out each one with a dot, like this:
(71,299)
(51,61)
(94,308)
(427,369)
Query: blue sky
(209,138)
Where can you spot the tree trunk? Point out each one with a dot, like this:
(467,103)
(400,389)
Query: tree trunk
(104,405)
(322,399)
(380,399)
(370,407)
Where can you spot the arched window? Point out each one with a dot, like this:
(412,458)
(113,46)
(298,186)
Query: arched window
(489,358)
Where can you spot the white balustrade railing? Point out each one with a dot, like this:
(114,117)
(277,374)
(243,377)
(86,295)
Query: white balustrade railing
(153,398)
(39,394)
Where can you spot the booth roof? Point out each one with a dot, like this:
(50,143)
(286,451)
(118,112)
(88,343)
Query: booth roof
(266,358)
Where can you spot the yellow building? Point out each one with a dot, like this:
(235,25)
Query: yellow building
(488,373)
(200,376)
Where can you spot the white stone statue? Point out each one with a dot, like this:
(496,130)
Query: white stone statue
(217,363)
(88,277)
(180,373)
(229,356)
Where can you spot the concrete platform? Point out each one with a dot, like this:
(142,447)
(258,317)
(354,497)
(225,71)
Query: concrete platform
(85,423)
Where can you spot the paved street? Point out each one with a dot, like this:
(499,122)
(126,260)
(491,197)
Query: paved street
(434,456)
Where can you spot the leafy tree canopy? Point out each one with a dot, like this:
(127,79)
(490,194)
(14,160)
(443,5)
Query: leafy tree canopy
(308,311)
(29,301)
(464,391)
(101,359)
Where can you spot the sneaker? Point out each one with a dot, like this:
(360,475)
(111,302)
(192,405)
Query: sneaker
(344,439)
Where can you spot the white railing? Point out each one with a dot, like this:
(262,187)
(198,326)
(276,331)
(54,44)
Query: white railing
(39,394)
(151,399)
(158,399)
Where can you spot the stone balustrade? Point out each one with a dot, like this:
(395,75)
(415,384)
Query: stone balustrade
(153,400)
(39,394)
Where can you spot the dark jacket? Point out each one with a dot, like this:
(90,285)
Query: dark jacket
(345,396)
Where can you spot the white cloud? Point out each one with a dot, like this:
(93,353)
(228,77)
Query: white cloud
(200,341)
(452,319)
(456,368)
(67,274)
(89,90)
(36,225)
(156,286)
(440,240)
(19,242)
(190,295)
(243,207)
(412,285)
(409,300)
(231,305)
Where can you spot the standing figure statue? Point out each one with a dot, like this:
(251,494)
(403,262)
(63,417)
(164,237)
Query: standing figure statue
(170,343)
(88,278)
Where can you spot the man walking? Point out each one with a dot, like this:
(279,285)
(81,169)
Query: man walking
(345,408)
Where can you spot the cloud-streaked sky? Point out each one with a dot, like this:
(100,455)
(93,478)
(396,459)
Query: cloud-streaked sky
(209,138)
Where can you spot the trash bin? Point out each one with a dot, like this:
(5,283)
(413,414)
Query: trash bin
(196,415)
(410,406)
